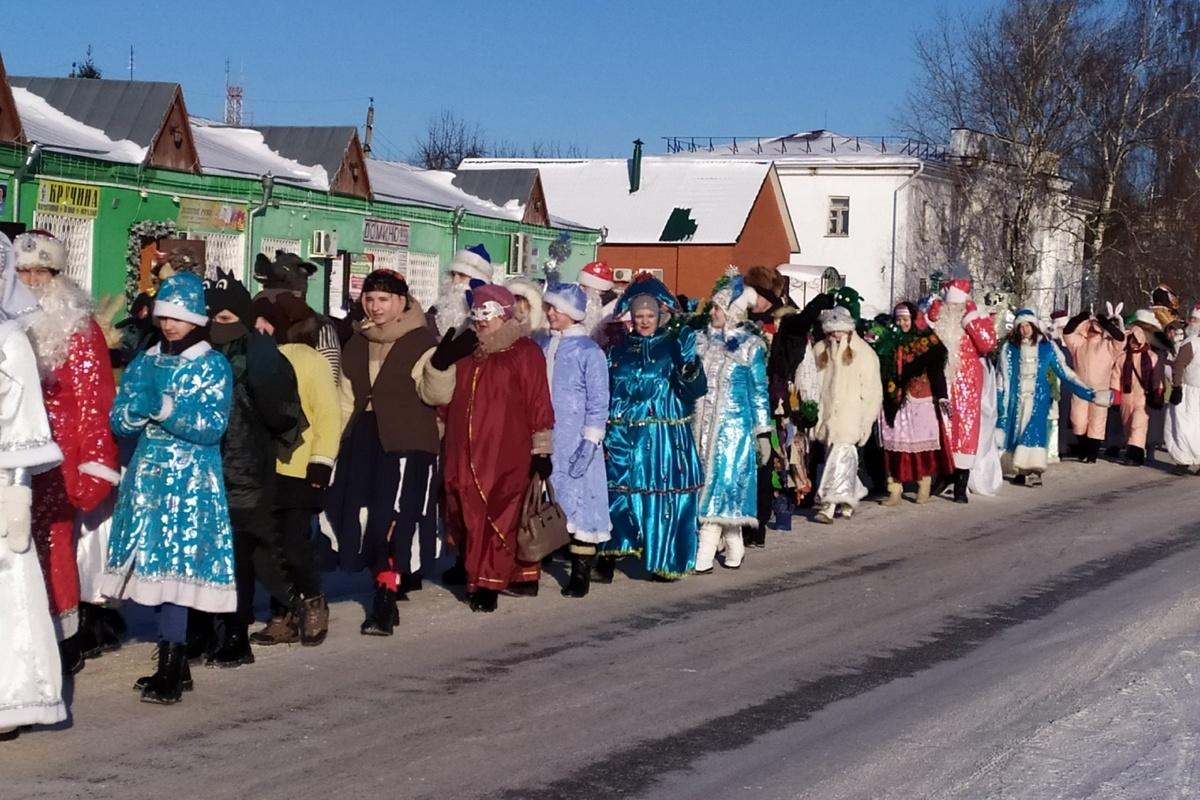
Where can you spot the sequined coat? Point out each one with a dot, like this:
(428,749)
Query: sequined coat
(578,375)
(1024,395)
(728,418)
(654,474)
(78,396)
(171,540)
(969,335)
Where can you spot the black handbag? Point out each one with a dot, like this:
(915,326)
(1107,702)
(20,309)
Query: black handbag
(543,526)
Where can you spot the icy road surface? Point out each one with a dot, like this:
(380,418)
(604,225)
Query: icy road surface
(1042,644)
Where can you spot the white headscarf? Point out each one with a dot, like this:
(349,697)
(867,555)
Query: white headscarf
(15,298)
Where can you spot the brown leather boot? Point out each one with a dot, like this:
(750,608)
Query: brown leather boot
(314,622)
(282,629)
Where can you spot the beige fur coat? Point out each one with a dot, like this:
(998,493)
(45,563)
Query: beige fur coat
(851,394)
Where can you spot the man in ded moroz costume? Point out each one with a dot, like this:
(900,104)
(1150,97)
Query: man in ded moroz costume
(470,269)
(968,334)
(77,383)
(30,674)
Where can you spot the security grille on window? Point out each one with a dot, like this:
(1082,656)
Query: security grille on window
(268,246)
(839,216)
(389,258)
(76,235)
(224,250)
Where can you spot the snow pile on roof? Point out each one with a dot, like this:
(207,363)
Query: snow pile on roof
(54,130)
(595,192)
(242,153)
(400,182)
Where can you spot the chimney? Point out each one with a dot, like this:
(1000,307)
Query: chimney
(635,167)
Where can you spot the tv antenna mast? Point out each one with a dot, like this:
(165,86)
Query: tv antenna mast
(233,100)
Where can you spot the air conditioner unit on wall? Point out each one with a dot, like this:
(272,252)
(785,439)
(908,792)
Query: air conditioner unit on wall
(322,245)
(627,274)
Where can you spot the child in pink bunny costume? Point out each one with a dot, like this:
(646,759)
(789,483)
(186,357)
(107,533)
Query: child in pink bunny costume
(1094,343)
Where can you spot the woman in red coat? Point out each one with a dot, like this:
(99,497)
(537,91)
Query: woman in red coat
(498,428)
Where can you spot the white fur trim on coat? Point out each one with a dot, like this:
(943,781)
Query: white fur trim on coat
(101,471)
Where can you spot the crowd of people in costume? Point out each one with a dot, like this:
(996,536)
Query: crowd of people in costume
(216,442)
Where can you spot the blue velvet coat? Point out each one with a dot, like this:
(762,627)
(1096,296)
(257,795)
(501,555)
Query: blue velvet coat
(654,473)
(578,375)
(171,540)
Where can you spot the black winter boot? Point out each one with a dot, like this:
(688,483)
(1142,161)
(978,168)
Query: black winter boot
(165,686)
(484,600)
(185,683)
(234,650)
(606,567)
(384,616)
(1135,456)
(581,575)
(961,477)
(456,575)
(70,656)
(201,636)
(522,589)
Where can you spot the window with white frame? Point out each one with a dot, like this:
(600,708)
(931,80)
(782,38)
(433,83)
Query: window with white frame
(76,235)
(839,217)
(269,246)
(422,276)
(224,250)
(389,258)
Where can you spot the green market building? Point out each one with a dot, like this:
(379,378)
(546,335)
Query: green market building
(118,170)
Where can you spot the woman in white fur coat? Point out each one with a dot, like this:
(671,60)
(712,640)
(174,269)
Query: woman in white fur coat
(851,396)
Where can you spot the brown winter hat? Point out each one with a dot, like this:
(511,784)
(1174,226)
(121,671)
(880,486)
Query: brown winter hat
(766,280)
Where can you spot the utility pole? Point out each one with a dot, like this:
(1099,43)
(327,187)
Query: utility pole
(130,62)
(370,128)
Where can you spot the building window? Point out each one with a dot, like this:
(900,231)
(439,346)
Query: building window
(76,235)
(224,250)
(389,258)
(268,246)
(839,217)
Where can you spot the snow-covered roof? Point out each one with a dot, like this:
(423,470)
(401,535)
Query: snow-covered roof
(400,182)
(808,147)
(595,192)
(243,153)
(54,130)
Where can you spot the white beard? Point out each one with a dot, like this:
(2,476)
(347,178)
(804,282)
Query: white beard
(593,313)
(452,309)
(949,329)
(63,311)
(1193,330)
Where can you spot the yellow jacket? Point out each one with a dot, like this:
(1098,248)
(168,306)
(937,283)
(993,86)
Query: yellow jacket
(319,399)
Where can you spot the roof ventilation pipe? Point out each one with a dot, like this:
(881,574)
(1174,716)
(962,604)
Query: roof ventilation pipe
(635,167)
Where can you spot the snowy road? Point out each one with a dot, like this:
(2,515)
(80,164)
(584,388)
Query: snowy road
(1041,645)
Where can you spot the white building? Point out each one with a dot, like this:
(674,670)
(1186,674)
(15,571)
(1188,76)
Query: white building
(890,213)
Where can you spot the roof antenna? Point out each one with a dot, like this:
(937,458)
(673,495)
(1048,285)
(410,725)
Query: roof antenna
(130,62)
(370,128)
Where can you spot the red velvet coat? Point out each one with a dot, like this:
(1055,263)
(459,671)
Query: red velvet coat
(79,395)
(501,400)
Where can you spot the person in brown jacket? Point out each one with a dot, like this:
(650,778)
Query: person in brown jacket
(1095,343)
(1140,374)
(394,373)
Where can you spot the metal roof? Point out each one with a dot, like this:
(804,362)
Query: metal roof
(497,186)
(129,110)
(320,145)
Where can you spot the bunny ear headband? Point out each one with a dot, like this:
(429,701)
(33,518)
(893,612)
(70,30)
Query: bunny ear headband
(1114,312)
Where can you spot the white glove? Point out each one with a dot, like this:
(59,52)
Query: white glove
(15,522)
(1000,437)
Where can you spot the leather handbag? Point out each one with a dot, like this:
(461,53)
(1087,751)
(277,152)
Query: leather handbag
(543,527)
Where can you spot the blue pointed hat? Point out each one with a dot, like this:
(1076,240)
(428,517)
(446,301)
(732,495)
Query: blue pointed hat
(181,296)
(567,298)
(645,283)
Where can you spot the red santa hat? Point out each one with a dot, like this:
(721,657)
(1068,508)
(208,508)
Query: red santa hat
(597,275)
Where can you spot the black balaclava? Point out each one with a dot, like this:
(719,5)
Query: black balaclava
(227,293)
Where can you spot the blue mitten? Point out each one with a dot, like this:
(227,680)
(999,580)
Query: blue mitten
(581,459)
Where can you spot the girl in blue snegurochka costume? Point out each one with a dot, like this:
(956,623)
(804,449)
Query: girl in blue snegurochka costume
(655,378)
(171,545)
(1024,395)
(578,377)
(733,422)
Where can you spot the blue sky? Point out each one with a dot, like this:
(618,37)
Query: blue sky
(596,75)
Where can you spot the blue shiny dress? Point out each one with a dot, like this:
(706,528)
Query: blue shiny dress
(171,540)
(654,472)
(728,419)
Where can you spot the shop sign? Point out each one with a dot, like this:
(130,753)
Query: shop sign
(379,231)
(205,215)
(361,265)
(68,199)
